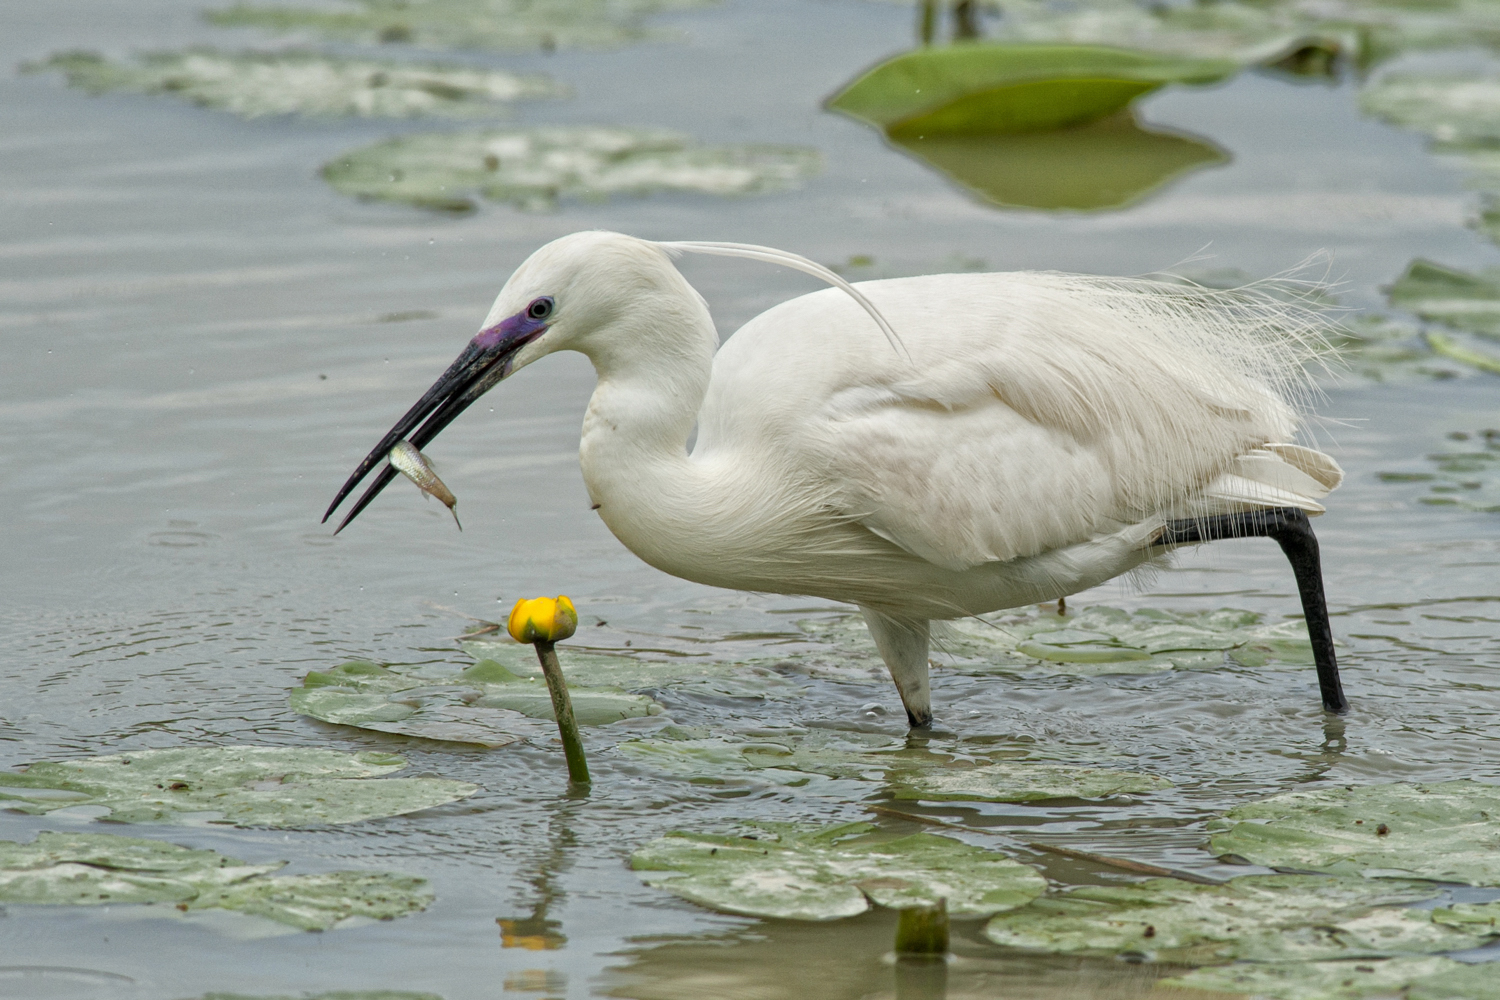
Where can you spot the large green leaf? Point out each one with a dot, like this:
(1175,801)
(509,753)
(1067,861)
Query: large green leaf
(255,84)
(991,89)
(94,868)
(463,24)
(484,704)
(804,873)
(245,786)
(533,168)
(1253,917)
(1103,164)
(1448,831)
(1411,978)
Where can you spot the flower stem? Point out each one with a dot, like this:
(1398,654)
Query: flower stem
(562,707)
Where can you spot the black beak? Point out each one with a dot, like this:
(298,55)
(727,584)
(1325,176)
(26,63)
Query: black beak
(481,366)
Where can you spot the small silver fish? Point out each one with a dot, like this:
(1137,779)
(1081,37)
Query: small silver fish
(411,463)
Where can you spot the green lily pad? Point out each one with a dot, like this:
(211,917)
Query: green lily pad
(1103,164)
(533,168)
(1093,640)
(1023,781)
(1412,978)
(503,25)
(1454,109)
(990,89)
(1467,475)
(485,704)
(803,873)
(1455,298)
(246,786)
(1446,831)
(1391,348)
(794,759)
(255,84)
(587,668)
(90,869)
(1264,918)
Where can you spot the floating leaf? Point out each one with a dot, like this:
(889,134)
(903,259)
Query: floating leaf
(464,24)
(802,873)
(95,868)
(254,84)
(485,704)
(1443,831)
(913,774)
(1094,640)
(1467,477)
(332,995)
(1412,978)
(532,169)
(246,786)
(1455,109)
(1253,917)
(1103,164)
(1444,295)
(1023,781)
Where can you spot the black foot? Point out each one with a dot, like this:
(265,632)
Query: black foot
(1291,530)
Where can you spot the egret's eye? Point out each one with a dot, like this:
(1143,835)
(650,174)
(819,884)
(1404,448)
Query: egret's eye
(540,308)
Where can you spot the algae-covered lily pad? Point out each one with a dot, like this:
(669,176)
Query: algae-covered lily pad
(1469,302)
(255,84)
(1431,978)
(1449,831)
(533,168)
(485,704)
(989,89)
(1253,917)
(805,873)
(792,759)
(245,786)
(1094,640)
(93,868)
(463,24)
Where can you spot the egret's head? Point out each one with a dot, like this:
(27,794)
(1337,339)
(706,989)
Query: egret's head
(595,292)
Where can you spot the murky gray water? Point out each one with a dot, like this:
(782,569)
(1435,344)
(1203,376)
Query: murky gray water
(201,339)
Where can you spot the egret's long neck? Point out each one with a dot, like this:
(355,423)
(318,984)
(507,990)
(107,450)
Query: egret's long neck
(652,380)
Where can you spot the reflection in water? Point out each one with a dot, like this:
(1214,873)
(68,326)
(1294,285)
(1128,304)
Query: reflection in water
(1104,164)
(536,932)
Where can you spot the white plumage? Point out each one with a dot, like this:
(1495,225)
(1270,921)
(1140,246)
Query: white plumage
(1028,436)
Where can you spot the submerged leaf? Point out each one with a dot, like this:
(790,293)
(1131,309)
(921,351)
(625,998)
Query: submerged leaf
(1023,781)
(1263,918)
(246,786)
(464,24)
(1412,978)
(991,89)
(254,84)
(804,873)
(95,868)
(1448,831)
(533,168)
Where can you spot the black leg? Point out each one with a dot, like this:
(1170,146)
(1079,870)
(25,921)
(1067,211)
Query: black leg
(1291,530)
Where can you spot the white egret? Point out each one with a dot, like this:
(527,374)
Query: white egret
(925,448)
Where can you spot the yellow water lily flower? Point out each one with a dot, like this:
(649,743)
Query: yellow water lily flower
(543,619)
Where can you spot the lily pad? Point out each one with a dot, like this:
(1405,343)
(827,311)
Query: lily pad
(1454,109)
(1465,475)
(1103,164)
(93,869)
(993,89)
(464,24)
(803,873)
(531,169)
(1413,978)
(485,704)
(1253,917)
(255,84)
(1455,298)
(331,995)
(792,759)
(245,786)
(1446,831)
(1093,640)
